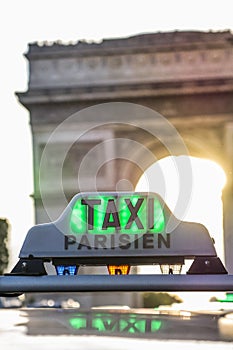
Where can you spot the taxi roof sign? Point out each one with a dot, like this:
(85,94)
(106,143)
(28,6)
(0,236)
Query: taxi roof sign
(107,225)
(116,229)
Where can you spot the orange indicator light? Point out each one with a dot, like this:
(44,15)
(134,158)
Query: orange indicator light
(118,269)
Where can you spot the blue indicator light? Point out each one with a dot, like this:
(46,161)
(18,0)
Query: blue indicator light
(66,270)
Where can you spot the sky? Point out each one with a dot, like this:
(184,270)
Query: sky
(26,21)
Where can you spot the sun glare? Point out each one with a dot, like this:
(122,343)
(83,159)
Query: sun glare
(192,189)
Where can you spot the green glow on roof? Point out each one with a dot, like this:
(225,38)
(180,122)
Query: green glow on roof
(228,299)
(115,323)
(78,322)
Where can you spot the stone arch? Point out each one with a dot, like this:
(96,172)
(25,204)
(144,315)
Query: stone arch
(196,147)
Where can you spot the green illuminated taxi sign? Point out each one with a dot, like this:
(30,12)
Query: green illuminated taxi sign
(115,228)
(121,213)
